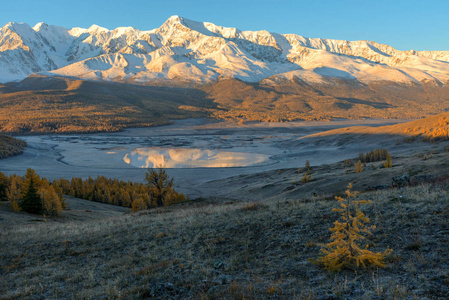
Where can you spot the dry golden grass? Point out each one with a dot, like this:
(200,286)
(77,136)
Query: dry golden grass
(429,129)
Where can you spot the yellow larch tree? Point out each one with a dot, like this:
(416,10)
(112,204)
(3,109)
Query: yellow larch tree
(348,247)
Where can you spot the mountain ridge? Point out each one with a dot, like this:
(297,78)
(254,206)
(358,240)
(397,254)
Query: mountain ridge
(186,51)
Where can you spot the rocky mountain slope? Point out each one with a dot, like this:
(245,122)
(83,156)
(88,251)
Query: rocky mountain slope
(183,52)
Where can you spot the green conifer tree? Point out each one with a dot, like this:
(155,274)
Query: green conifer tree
(31,201)
(4,184)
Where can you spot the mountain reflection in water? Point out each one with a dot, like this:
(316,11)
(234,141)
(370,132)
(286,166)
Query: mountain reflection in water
(154,157)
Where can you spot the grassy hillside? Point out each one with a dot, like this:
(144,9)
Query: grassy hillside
(217,249)
(10,146)
(433,128)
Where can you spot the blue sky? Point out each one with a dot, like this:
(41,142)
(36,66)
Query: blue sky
(405,25)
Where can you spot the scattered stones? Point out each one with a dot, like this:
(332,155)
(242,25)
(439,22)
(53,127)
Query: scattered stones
(219,264)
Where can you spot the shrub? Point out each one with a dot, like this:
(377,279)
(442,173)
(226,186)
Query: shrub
(307,166)
(358,167)
(348,247)
(254,205)
(347,163)
(387,163)
(306,178)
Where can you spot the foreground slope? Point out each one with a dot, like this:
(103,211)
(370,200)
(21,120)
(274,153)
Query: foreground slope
(233,250)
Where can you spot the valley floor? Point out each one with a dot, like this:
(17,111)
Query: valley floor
(67,156)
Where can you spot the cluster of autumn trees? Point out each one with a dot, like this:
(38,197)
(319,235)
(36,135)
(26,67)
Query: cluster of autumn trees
(374,155)
(31,193)
(437,131)
(157,191)
(36,195)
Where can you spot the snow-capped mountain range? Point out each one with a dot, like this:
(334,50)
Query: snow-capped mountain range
(187,51)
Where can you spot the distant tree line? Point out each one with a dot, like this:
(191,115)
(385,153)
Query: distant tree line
(374,155)
(10,146)
(36,195)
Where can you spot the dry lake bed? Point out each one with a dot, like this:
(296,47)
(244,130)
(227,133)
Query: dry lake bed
(194,151)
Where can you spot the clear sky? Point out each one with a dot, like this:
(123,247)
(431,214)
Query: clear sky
(403,24)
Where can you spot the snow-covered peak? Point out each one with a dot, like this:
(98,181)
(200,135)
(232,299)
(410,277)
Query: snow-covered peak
(226,32)
(77,31)
(124,30)
(171,22)
(39,25)
(186,50)
(96,28)
(19,28)
(174,18)
(177,22)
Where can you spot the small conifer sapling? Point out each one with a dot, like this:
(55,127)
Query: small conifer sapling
(387,163)
(307,166)
(358,167)
(348,247)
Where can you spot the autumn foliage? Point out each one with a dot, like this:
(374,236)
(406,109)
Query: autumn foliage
(37,195)
(349,246)
(31,194)
(158,191)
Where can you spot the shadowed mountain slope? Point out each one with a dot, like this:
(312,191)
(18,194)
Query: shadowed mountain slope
(61,105)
